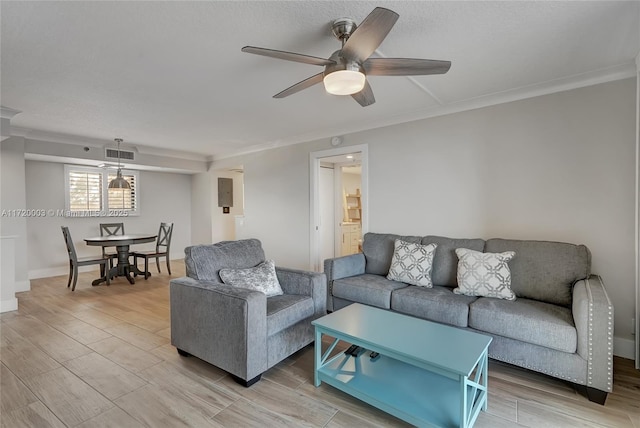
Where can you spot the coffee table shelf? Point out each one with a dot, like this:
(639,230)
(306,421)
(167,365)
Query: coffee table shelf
(418,396)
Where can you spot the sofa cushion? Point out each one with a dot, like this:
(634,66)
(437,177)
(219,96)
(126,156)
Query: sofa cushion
(378,250)
(203,262)
(530,321)
(543,270)
(435,304)
(286,310)
(445,261)
(261,278)
(484,274)
(411,263)
(373,290)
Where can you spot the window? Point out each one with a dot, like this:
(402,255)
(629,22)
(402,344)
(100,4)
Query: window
(122,199)
(88,193)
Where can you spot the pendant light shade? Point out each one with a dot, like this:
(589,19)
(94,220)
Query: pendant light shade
(119,182)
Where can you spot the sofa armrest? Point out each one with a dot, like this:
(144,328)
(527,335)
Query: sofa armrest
(223,325)
(342,267)
(593,317)
(307,283)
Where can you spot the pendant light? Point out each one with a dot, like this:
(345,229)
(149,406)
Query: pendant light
(119,182)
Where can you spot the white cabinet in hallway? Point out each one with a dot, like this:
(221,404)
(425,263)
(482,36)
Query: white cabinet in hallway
(351,238)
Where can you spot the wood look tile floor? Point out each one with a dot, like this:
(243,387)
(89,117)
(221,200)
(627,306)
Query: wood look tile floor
(101,357)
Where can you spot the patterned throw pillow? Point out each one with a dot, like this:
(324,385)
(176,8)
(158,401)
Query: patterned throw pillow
(484,274)
(260,278)
(411,263)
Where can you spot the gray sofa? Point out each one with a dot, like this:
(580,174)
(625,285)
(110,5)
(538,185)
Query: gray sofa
(560,324)
(238,329)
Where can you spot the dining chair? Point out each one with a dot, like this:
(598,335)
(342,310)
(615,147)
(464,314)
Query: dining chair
(74,261)
(107,229)
(163,245)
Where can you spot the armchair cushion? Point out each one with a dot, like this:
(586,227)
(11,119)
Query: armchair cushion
(260,278)
(286,310)
(311,284)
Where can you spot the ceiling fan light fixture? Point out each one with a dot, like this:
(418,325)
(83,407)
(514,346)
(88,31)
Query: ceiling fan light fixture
(344,71)
(344,82)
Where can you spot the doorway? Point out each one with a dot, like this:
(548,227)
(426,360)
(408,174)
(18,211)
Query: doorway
(348,195)
(339,195)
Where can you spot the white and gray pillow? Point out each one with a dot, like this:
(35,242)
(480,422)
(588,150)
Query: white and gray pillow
(259,278)
(412,263)
(484,274)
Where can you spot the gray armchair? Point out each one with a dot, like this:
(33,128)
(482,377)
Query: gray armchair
(240,330)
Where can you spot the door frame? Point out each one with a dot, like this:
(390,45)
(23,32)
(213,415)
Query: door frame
(315,264)
(329,195)
(637,218)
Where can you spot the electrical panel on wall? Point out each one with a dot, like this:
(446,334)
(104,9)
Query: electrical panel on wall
(225,194)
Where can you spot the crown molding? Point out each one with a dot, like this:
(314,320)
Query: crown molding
(8,113)
(618,72)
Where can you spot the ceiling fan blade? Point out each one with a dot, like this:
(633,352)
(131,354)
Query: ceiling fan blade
(289,56)
(365,96)
(404,66)
(369,34)
(306,83)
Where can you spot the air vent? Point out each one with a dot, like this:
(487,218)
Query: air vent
(124,154)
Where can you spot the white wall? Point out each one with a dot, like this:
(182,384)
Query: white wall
(201,208)
(556,167)
(13,197)
(163,197)
(276,195)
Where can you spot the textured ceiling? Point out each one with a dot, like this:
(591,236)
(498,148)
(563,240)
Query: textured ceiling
(170,75)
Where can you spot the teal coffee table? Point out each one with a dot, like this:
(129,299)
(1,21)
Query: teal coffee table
(427,374)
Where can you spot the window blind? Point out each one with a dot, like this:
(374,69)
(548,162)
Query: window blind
(85,191)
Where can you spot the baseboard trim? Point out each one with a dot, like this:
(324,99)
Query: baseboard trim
(9,305)
(57,271)
(624,348)
(22,286)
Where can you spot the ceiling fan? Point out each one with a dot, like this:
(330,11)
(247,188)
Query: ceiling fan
(346,69)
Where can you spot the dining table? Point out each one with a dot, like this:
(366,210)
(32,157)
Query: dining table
(122,244)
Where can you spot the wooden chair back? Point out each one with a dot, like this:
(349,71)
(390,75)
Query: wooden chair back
(69,242)
(164,238)
(108,229)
